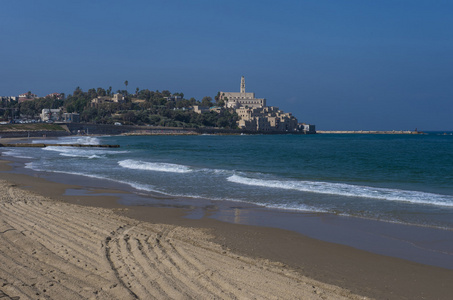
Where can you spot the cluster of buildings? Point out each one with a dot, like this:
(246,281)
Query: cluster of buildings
(255,115)
(29,96)
(47,114)
(116,98)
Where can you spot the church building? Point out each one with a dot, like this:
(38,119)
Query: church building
(242,99)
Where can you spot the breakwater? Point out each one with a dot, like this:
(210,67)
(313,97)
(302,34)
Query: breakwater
(368,132)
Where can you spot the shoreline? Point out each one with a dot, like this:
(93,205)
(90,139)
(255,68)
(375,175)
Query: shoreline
(359,271)
(421,244)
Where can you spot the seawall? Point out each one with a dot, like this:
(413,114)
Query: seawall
(102,129)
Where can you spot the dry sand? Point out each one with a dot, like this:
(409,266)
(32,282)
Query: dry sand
(55,250)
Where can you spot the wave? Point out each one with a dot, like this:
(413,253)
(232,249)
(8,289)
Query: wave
(137,186)
(83,140)
(16,154)
(78,152)
(349,190)
(153,166)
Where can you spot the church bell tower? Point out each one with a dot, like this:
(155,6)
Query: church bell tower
(242,84)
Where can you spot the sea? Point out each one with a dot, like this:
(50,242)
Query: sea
(385,178)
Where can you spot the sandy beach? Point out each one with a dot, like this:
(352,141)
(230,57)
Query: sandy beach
(55,250)
(55,246)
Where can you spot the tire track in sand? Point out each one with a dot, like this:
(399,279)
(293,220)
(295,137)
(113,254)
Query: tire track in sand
(54,250)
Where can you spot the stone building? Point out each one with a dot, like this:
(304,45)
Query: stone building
(117,98)
(27,97)
(237,100)
(255,115)
(58,96)
(268,118)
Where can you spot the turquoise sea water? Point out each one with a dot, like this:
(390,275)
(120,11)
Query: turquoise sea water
(395,178)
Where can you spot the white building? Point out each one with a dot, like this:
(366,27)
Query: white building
(50,114)
(118,98)
(9,98)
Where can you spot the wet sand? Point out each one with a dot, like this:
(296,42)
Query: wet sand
(51,243)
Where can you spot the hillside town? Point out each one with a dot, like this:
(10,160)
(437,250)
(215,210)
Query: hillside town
(230,110)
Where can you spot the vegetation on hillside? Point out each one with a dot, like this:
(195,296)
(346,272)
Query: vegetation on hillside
(144,107)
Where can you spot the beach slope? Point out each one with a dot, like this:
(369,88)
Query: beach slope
(55,250)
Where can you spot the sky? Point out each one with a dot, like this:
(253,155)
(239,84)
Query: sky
(338,64)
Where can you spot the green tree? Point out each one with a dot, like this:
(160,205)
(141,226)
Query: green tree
(92,93)
(126,83)
(78,92)
(28,108)
(207,101)
(101,92)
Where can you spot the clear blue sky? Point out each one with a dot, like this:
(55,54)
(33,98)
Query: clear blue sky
(339,64)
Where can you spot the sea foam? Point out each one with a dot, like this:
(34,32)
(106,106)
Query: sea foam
(349,190)
(154,166)
(83,140)
(79,152)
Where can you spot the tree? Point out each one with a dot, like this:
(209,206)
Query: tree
(136,91)
(206,101)
(126,83)
(130,117)
(101,92)
(109,91)
(78,92)
(92,93)
(28,108)
(193,101)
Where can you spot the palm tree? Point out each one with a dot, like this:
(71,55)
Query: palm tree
(126,83)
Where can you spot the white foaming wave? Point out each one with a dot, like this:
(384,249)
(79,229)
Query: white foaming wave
(78,152)
(153,166)
(15,154)
(349,190)
(83,140)
(294,207)
(215,171)
(150,188)
(89,156)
